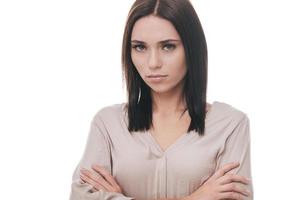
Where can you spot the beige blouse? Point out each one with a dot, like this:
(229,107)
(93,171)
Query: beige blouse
(146,172)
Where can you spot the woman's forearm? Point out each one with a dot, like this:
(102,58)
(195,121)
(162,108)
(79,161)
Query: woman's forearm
(182,198)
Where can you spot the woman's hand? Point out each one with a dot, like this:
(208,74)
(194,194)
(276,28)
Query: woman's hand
(222,186)
(100,179)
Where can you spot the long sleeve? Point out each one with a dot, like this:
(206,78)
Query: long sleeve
(97,151)
(237,149)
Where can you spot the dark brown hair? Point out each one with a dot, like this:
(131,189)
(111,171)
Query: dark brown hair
(185,20)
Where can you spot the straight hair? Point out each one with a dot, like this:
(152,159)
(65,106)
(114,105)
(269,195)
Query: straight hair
(186,22)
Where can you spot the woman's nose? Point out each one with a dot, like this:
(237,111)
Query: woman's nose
(154,59)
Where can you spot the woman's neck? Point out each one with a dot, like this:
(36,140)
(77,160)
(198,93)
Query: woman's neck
(168,104)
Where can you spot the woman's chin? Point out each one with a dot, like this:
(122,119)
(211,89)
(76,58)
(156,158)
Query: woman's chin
(159,89)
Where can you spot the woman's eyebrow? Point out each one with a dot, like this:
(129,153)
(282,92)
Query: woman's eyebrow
(161,42)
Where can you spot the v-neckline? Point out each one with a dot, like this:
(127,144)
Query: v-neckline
(171,146)
(179,139)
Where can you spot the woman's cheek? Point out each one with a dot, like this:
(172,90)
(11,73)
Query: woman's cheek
(140,67)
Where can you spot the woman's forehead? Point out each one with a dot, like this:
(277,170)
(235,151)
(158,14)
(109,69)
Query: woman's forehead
(153,29)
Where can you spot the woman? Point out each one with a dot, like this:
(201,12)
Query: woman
(166,142)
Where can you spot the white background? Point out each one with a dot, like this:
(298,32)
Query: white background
(60,62)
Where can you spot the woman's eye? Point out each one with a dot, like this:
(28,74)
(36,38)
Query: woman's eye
(138,47)
(169,46)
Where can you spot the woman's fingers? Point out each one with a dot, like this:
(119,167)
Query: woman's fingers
(228,178)
(231,195)
(82,182)
(96,180)
(107,176)
(233,187)
(222,171)
(93,183)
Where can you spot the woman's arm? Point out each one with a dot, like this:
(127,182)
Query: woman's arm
(237,149)
(96,151)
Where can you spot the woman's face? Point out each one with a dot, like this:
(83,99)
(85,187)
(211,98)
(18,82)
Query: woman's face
(157,50)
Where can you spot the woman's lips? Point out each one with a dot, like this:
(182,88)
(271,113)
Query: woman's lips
(156,78)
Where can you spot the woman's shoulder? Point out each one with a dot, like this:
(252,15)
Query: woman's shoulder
(228,112)
(110,112)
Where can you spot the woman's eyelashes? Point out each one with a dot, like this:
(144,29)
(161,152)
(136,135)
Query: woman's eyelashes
(137,47)
(141,47)
(170,46)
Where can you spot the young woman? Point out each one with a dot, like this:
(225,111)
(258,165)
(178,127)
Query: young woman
(166,142)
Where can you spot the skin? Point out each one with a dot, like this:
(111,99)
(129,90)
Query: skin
(153,56)
(166,58)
